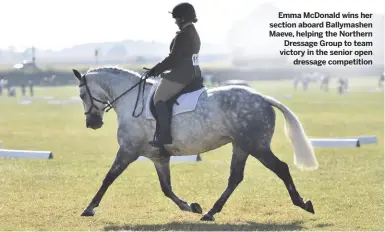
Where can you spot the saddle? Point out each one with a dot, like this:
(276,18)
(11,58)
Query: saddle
(195,85)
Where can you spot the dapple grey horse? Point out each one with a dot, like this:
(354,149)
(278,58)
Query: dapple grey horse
(227,114)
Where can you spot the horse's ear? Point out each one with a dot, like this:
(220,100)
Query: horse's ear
(77,74)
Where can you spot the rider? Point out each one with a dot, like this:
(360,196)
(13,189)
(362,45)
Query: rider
(182,62)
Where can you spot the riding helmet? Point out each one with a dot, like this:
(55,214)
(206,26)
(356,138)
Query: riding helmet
(186,11)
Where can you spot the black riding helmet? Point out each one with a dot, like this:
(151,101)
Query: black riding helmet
(186,11)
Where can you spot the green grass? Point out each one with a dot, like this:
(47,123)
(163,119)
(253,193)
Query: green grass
(347,191)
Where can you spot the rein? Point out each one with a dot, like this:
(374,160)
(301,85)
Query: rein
(108,107)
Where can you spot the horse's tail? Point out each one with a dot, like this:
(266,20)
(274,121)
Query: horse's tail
(304,157)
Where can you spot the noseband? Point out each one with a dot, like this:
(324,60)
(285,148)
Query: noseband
(141,83)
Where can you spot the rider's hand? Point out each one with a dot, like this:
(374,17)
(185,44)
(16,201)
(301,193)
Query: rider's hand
(152,72)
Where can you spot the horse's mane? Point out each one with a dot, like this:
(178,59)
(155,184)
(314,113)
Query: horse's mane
(118,71)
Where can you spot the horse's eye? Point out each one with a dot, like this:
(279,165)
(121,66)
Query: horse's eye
(82,95)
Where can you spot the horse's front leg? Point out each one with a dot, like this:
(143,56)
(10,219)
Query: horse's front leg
(162,166)
(122,160)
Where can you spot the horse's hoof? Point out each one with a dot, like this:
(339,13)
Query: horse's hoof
(196,208)
(309,207)
(88,213)
(208,218)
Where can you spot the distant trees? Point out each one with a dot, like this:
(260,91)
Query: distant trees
(117,50)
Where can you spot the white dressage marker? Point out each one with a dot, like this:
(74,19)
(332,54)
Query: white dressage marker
(76,98)
(365,139)
(64,102)
(184,158)
(54,102)
(25,154)
(40,97)
(25,102)
(335,142)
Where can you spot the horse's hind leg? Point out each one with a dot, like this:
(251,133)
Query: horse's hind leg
(162,165)
(238,162)
(281,169)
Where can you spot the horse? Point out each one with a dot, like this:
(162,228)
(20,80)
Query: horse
(325,83)
(227,114)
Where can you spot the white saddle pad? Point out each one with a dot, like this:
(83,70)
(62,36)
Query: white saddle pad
(187,102)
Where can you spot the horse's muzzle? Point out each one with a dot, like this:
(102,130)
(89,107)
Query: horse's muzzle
(94,121)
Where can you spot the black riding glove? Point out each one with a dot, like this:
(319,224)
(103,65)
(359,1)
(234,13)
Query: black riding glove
(153,72)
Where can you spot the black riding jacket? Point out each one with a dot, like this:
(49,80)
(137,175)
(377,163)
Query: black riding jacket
(182,61)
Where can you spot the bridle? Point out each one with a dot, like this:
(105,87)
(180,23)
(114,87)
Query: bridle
(141,83)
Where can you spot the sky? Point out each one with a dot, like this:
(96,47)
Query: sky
(57,24)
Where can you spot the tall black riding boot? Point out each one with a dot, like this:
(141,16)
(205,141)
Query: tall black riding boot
(164,120)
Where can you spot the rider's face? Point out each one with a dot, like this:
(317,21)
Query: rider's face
(179,22)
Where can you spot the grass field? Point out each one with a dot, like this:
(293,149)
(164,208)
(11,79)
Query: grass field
(347,190)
